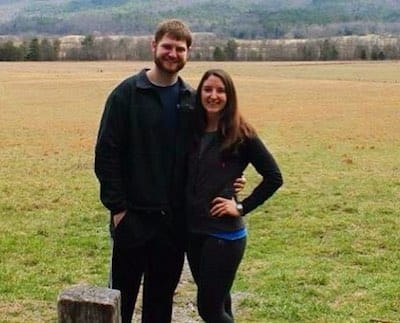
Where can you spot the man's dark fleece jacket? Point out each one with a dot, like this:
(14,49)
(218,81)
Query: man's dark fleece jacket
(139,167)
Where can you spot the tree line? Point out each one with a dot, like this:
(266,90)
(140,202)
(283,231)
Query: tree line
(208,47)
(33,50)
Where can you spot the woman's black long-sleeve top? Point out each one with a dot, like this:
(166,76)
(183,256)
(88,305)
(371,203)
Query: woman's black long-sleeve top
(212,174)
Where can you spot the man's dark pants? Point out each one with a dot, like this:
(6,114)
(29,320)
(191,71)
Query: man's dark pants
(158,259)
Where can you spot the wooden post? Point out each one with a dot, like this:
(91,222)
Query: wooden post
(88,304)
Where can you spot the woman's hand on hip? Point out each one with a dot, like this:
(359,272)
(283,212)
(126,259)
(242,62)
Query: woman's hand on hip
(224,207)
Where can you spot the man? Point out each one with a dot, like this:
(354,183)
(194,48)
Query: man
(140,163)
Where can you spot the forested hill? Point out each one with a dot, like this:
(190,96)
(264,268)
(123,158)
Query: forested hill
(242,19)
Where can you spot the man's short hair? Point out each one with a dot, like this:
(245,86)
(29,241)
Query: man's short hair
(174,28)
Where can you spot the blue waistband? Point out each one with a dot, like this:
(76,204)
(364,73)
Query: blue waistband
(231,235)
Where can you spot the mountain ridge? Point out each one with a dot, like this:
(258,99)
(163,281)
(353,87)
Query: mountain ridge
(254,19)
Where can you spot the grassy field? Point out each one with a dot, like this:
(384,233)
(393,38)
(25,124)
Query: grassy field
(324,249)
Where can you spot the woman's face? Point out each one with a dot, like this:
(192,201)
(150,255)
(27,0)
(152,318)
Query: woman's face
(213,95)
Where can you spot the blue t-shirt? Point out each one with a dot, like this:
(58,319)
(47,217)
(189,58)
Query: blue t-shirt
(169,96)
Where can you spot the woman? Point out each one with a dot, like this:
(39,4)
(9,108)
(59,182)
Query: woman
(223,147)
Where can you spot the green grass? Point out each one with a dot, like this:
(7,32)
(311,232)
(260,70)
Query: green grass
(53,234)
(325,248)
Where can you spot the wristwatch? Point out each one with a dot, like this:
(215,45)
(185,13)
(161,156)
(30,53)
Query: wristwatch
(239,207)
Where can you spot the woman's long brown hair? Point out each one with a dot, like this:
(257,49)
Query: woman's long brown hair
(232,128)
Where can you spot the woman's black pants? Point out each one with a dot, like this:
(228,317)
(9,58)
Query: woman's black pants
(214,263)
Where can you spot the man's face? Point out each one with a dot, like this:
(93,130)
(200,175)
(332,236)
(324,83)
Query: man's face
(170,55)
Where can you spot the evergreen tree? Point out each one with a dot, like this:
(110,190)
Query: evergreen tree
(328,51)
(230,50)
(33,50)
(218,54)
(10,52)
(57,47)
(88,51)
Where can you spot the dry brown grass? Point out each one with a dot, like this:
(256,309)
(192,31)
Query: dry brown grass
(57,105)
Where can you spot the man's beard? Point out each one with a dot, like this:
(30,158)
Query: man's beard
(160,64)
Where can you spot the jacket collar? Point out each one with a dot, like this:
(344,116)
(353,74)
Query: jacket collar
(143,82)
